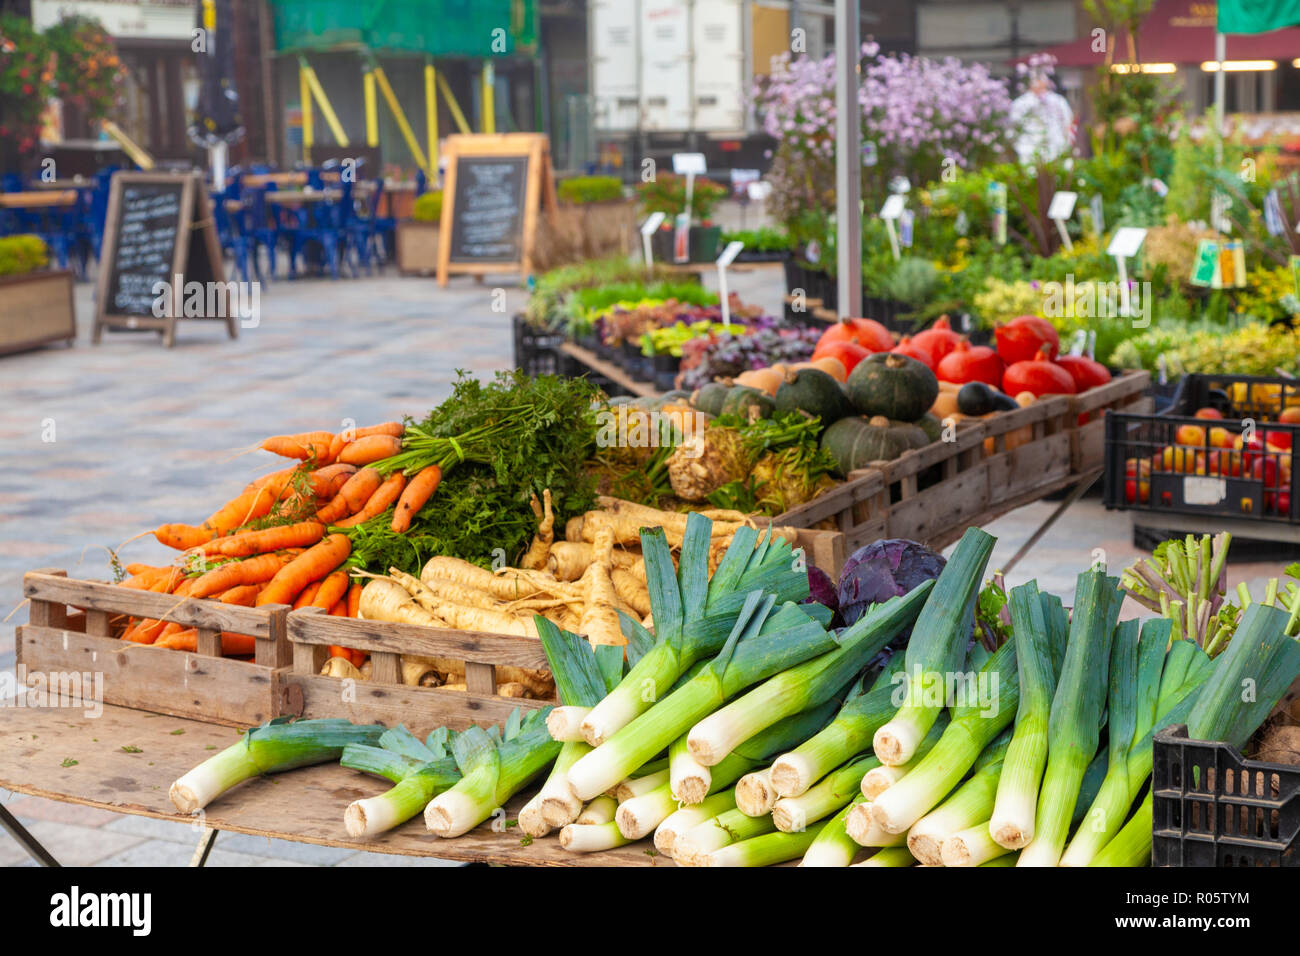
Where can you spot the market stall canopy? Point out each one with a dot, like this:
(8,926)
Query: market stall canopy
(1257,16)
(470,28)
(1182,31)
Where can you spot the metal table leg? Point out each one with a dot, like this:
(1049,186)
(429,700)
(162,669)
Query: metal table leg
(1076,492)
(25,839)
(206,840)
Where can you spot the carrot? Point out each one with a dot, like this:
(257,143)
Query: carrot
(312,565)
(253,570)
(145,580)
(300,535)
(343,652)
(370,449)
(354,598)
(384,496)
(418,490)
(333,590)
(322,479)
(336,446)
(307,596)
(304,446)
(358,656)
(182,537)
(136,568)
(250,505)
(352,497)
(340,609)
(188,640)
(241,595)
(396,429)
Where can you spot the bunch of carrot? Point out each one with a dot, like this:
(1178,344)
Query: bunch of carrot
(233,558)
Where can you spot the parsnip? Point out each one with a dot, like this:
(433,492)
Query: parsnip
(600,613)
(422,672)
(509,585)
(384,599)
(568,559)
(573,529)
(341,667)
(631,591)
(535,558)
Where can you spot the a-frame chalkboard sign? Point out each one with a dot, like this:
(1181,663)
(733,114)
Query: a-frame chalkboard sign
(159,229)
(492,189)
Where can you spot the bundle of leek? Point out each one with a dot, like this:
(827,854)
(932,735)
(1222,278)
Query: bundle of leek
(879,779)
(937,648)
(693,614)
(968,806)
(276,746)
(833,846)
(1074,726)
(494,766)
(835,791)
(420,771)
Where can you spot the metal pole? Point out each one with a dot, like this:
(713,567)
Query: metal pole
(848,156)
(1220,97)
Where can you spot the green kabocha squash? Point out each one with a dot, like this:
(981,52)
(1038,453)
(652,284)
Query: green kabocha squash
(812,391)
(856,442)
(931,425)
(893,385)
(748,403)
(709,398)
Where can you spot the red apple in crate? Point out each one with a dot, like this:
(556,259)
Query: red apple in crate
(1189,435)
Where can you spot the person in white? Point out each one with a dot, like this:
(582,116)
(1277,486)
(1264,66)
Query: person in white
(1043,119)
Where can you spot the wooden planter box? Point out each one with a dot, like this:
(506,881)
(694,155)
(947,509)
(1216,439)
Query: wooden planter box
(36,309)
(74,626)
(1124,393)
(576,232)
(417,247)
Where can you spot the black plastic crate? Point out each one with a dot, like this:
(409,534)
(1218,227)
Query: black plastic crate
(537,350)
(1157,463)
(1212,807)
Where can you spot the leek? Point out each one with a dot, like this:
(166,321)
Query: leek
(836,790)
(420,771)
(971,803)
(890,856)
(275,746)
(879,779)
(848,734)
(592,837)
(494,767)
(833,846)
(973,726)
(693,615)
(973,846)
(1132,845)
(667,833)
(638,786)
(937,648)
(690,779)
(693,847)
(766,850)
(758,647)
(640,815)
(808,684)
(865,828)
(755,795)
(1075,722)
(1012,821)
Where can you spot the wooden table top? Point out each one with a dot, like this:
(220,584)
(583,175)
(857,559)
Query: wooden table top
(38,200)
(63,754)
(285,197)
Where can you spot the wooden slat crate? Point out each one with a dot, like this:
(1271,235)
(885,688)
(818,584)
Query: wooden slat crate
(73,627)
(384,698)
(1124,393)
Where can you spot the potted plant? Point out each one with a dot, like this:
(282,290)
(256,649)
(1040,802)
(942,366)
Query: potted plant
(593,220)
(666,193)
(417,237)
(35,302)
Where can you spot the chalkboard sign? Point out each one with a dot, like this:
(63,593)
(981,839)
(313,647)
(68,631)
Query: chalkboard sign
(489,209)
(493,186)
(158,228)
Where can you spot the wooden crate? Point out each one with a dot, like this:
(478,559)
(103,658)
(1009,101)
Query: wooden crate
(1124,393)
(203,685)
(384,698)
(36,309)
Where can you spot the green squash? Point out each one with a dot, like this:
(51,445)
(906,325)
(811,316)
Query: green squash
(812,391)
(856,442)
(893,385)
(709,398)
(976,398)
(747,403)
(931,425)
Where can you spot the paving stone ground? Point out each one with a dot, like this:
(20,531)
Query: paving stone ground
(102,442)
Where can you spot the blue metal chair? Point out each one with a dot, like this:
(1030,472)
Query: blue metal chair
(363,232)
(260,225)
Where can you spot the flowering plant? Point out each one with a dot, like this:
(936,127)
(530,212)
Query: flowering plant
(24,81)
(88,72)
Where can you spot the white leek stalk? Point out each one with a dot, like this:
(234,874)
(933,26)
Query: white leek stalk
(637,786)
(601,810)
(565,723)
(531,820)
(592,838)
(693,847)
(833,846)
(879,779)
(755,795)
(667,833)
(793,814)
(866,830)
(766,850)
(639,816)
(973,846)
(689,779)
(890,856)
(556,802)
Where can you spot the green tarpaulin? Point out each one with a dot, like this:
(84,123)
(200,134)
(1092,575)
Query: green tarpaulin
(445,28)
(1257,16)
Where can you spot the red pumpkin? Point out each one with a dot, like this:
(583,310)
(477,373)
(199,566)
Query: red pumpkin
(1039,375)
(849,353)
(868,333)
(936,341)
(971,363)
(1085,372)
(907,347)
(1021,338)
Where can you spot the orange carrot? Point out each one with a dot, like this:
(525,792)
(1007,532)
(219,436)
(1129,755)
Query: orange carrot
(312,565)
(253,570)
(323,479)
(241,595)
(343,652)
(352,497)
(384,496)
(300,535)
(303,446)
(182,537)
(188,640)
(419,490)
(396,429)
(354,599)
(340,609)
(253,502)
(135,569)
(336,446)
(332,590)
(147,580)
(358,656)
(370,449)
(307,596)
